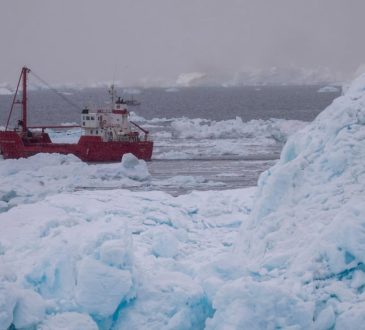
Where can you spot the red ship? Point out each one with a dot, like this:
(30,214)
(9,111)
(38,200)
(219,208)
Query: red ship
(107,134)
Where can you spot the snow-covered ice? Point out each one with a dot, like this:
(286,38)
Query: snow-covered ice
(289,254)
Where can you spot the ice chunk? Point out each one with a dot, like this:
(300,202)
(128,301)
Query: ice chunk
(100,288)
(68,321)
(326,319)
(29,310)
(129,161)
(118,253)
(165,244)
(8,301)
(353,318)
(166,300)
(259,305)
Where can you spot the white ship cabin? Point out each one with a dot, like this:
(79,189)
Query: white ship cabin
(110,125)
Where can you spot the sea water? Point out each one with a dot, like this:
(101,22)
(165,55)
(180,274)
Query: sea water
(204,137)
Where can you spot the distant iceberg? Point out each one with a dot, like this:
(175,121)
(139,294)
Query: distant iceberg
(172,90)
(189,79)
(5,91)
(329,89)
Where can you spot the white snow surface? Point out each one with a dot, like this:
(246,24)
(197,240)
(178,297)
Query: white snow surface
(299,260)
(289,254)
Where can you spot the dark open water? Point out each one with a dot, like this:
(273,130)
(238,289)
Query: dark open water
(217,103)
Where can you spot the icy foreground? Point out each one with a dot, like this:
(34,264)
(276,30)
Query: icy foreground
(115,259)
(301,254)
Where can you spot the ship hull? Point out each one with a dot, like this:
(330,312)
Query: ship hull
(88,149)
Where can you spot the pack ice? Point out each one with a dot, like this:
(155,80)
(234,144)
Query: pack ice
(106,259)
(286,255)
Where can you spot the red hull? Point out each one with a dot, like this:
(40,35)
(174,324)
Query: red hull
(88,149)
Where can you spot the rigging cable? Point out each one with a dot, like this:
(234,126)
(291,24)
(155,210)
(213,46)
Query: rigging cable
(57,92)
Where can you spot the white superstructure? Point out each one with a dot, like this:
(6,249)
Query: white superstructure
(111,125)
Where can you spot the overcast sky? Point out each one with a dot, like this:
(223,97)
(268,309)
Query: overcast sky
(140,40)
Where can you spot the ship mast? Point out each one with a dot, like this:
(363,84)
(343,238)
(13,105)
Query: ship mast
(25,71)
(23,78)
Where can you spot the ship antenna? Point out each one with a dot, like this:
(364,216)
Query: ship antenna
(112,94)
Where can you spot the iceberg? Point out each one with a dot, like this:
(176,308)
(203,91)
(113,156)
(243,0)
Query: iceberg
(329,89)
(299,258)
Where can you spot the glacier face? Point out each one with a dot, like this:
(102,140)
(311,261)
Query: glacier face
(301,252)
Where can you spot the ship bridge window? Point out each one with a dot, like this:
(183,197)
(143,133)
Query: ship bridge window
(92,118)
(87,118)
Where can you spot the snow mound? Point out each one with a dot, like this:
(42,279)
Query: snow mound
(31,179)
(300,258)
(329,89)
